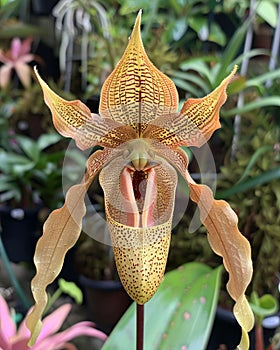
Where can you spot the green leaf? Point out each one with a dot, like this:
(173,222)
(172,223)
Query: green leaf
(256,81)
(231,50)
(180,313)
(29,147)
(47,140)
(200,66)
(262,102)
(71,289)
(187,87)
(194,79)
(268,12)
(263,306)
(254,159)
(243,186)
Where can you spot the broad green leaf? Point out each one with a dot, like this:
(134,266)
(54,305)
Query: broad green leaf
(29,147)
(71,289)
(47,140)
(193,78)
(189,88)
(20,169)
(267,11)
(200,66)
(180,313)
(8,159)
(263,306)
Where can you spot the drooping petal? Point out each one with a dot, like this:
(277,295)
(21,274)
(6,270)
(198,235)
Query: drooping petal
(225,240)
(140,252)
(195,123)
(7,326)
(53,322)
(60,233)
(24,73)
(5,75)
(74,119)
(136,91)
(3,57)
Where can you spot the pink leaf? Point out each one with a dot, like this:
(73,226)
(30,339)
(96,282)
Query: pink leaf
(56,341)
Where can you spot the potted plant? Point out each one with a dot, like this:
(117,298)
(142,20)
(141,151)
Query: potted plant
(30,178)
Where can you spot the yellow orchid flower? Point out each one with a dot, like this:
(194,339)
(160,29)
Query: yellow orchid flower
(141,133)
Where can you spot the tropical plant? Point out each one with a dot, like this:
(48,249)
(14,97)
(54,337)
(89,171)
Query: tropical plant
(265,10)
(30,172)
(140,131)
(74,20)
(200,74)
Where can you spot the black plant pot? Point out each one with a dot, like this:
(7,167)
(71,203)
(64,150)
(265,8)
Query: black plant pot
(106,301)
(19,233)
(227,331)
(43,7)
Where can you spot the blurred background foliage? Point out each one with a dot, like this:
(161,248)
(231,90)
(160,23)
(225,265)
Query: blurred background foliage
(196,43)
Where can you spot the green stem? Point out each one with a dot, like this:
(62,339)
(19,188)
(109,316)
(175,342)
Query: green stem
(14,281)
(52,300)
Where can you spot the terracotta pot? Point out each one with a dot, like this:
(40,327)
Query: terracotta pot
(106,300)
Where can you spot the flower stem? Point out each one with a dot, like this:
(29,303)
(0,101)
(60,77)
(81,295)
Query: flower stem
(259,337)
(140,327)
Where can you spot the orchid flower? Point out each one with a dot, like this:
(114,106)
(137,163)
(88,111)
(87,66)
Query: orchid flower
(13,339)
(141,132)
(17,58)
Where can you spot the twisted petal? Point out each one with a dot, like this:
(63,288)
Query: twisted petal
(140,245)
(74,119)
(134,81)
(60,233)
(226,241)
(196,122)
(24,73)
